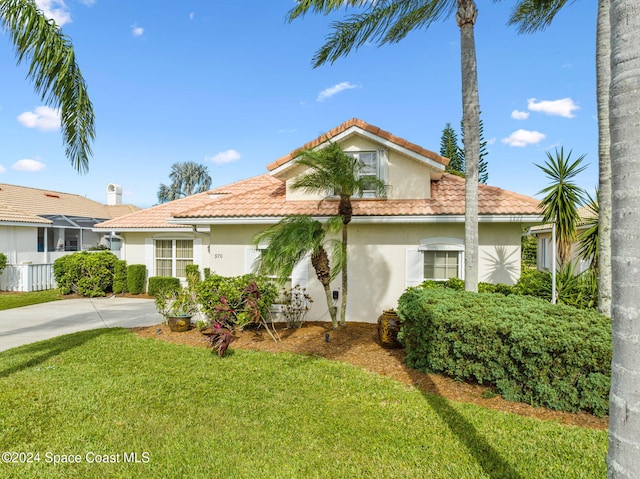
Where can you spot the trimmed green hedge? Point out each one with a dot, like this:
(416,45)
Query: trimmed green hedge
(120,277)
(531,351)
(136,278)
(163,284)
(85,273)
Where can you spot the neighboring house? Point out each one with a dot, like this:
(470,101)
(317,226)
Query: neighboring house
(544,252)
(38,226)
(415,232)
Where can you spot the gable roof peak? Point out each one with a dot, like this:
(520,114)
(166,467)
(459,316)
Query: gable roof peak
(384,136)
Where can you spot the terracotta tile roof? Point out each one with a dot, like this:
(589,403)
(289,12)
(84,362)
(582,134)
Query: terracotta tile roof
(354,122)
(46,202)
(11,215)
(265,197)
(157,216)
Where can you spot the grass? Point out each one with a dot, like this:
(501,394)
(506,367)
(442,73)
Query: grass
(189,413)
(17,300)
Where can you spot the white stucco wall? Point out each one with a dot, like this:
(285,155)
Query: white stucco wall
(20,244)
(377,261)
(408,177)
(138,248)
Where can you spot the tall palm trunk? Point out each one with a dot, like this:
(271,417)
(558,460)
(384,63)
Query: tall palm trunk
(466,18)
(320,263)
(603,77)
(623,459)
(346,210)
(345,279)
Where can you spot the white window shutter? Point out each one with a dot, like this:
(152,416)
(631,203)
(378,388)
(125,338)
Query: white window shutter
(251,254)
(300,273)
(414,267)
(197,251)
(383,166)
(149,256)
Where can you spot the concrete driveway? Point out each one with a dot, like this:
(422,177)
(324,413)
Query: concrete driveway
(43,321)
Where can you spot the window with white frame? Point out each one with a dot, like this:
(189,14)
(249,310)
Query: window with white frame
(172,256)
(441,265)
(374,166)
(437,259)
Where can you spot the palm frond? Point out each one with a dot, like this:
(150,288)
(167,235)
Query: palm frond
(588,239)
(534,15)
(55,74)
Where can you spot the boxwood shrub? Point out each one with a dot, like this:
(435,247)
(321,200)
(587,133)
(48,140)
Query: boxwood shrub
(85,273)
(136,278)
(530,350)
(120,277)
(162,284)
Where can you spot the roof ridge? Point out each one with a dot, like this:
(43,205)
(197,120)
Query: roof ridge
(366,127)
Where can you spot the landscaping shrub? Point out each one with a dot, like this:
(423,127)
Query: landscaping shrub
(162,285)
(528,349)
(533,283)
(88,274)
(136,278)
(237,300)
(3,262)
(192,274)
(120,277)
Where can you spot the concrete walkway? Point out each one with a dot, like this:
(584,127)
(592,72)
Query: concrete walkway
(43,321)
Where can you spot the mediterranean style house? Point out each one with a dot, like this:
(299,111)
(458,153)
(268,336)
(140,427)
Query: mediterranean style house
(412,233)
(38,226)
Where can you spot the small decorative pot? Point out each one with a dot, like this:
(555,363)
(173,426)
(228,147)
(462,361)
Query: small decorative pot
(179,324)
(388,328)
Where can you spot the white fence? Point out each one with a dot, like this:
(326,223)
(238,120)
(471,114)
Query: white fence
(27,277)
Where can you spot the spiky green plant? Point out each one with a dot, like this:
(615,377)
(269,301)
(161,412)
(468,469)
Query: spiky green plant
(562,198)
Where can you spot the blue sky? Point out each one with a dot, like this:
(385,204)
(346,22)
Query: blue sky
(229,84)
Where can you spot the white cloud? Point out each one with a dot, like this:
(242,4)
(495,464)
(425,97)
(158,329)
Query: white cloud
(137,31)
(192,16)
(28,165)
(523,138)
(519,115)
(563,107)
(228,156)
(491,141)
(43,118)
(335,89)
(56,10)
(2,169)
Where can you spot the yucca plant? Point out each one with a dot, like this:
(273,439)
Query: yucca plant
(562,198)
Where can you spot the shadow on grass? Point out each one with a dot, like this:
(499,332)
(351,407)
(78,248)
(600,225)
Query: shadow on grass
(489,459)
(31,355)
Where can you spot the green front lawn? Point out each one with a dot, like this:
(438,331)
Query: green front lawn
(188,413)
(17,300)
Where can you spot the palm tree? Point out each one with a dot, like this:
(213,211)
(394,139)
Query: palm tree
(562,199)
(55,74)
(291,240)
(332,172)
(187,178)
(588,239)
(389,21)
(623,460)
(534,15)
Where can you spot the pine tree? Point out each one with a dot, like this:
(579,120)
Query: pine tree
(483,170)
(449,148)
